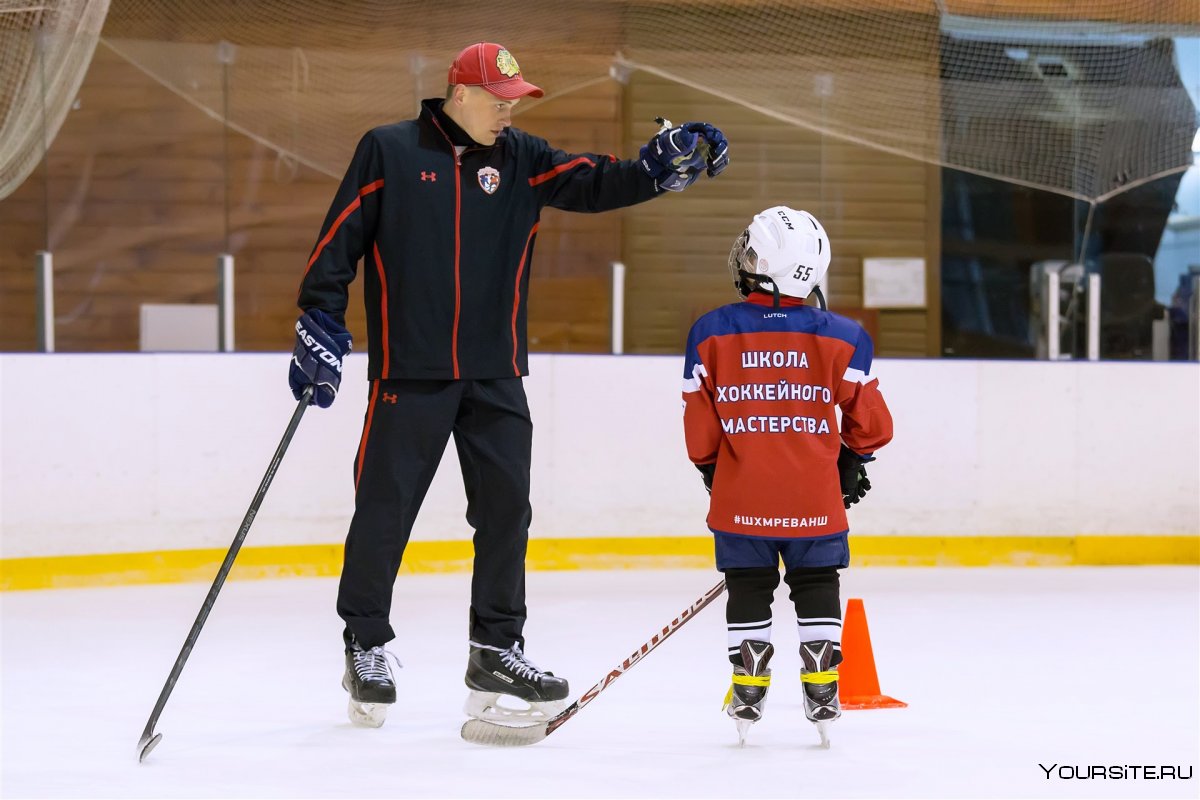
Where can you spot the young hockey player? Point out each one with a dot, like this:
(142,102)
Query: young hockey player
(761,384)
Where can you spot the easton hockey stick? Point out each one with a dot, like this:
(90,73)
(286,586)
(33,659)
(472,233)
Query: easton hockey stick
(478,731)
(150,739)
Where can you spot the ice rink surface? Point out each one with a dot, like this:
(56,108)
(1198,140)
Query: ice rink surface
(1003,669)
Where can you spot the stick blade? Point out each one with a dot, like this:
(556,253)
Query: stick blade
(146,745)
(477,731)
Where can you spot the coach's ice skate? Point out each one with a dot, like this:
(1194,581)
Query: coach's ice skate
(368,679)
(495,675)
(747,694)
(820,677)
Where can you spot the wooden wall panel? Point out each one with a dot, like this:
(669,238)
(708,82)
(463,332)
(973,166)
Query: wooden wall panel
(137,197)
(872,204)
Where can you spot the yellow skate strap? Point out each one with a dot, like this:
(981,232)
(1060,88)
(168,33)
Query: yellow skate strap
(830,676)
(745,680)
(751,680)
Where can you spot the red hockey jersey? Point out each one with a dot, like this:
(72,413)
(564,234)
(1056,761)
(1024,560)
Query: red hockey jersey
(760,390)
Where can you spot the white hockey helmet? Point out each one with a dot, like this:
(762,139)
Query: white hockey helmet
(783,247)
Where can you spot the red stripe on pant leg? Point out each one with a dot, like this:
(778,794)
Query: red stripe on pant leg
(362,445)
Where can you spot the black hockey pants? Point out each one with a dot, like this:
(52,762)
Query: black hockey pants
(407,426)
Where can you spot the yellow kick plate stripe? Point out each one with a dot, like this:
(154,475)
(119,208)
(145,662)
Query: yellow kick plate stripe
(651,552)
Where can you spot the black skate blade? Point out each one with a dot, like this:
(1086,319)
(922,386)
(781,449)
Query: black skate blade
(489,734)
(146,744)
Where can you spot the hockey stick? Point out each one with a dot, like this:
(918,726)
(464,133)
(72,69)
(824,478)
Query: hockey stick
(150,739)
(478,731)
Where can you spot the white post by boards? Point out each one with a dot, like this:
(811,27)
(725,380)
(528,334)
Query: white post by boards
(45,300)
(618,308)
(225,303)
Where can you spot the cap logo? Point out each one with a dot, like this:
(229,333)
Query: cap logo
(507,64)
(489,179)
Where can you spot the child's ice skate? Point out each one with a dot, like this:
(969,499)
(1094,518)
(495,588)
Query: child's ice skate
(820,679)
(748,693)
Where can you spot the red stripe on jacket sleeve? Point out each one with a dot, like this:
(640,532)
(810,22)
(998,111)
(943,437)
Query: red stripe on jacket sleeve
(517,297)
(337,223)
(561,168)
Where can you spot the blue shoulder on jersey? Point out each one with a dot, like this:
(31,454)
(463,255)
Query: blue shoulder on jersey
(714,323)
(753,318)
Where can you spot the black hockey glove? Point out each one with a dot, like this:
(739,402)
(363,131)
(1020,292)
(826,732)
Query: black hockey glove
(853,474)
(717,158)
(321,344)
(707,471)
(675,157)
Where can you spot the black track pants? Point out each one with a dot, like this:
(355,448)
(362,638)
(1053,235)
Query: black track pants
(407,426)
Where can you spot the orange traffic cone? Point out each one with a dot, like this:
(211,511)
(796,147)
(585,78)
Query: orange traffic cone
(858,683)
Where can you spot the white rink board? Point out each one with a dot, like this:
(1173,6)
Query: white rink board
(147,452)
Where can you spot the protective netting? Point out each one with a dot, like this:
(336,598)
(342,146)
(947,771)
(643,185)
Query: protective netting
(45,49)
(1083,99)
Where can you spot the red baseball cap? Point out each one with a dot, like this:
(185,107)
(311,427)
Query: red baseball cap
(491,66)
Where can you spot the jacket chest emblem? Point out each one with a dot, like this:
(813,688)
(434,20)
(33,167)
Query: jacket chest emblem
(489,179)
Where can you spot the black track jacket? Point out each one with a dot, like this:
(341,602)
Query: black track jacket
(448,243)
